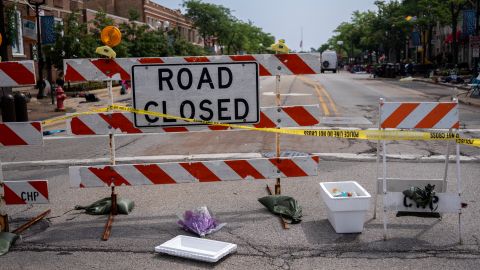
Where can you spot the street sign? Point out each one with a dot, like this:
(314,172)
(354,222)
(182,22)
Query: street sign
(26,192)
(220,92)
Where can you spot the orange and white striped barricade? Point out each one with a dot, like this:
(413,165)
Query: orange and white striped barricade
(79,70)
(123,123)
(192,172)
(21,191)
(26,192)
(111,123)
(424,116)
(17,73)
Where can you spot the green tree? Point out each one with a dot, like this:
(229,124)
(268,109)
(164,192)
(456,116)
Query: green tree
(455,7)
(101,21)
(140,40)
(210,19)
(233,35)
(72,41)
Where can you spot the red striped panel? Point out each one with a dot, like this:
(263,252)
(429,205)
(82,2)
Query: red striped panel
(200,171)
(295,64)
(151,60)
(456,125)
(119,121)
(71,75)
(316,159)
(8,137)
(435,115)
(79,128)
(300,115)
(218,127)
(197,59)
(262,70)
(265,122)
(18,72)
(37,126)
(41,187)
(110,68)
(175,129)
(11,197)
(399,115)
(109,176)
(155,174)
(288,167)
(244,169)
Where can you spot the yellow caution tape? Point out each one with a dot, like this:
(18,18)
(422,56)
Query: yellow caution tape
(343,134)
(63,118)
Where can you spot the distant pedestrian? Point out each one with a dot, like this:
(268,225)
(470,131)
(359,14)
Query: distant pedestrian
(124,87)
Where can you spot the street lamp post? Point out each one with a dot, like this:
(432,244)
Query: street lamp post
(37,4)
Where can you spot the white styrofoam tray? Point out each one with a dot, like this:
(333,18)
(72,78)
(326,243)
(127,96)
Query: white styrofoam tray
(196,248)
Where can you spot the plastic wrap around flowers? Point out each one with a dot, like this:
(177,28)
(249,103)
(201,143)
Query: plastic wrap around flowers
(199,221)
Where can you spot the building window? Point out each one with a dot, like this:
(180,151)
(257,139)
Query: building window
(17,45)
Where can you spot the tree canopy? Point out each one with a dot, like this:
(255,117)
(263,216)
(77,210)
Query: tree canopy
(216,22)
(79,40)
(386,30)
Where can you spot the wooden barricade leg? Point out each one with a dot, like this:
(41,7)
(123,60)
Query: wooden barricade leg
(113,209)
(278,185)
(459,190)
(27,225)
(3,215)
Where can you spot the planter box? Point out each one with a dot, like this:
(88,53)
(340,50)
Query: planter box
(346,214)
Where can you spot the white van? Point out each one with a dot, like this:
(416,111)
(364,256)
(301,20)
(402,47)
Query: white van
(329,61)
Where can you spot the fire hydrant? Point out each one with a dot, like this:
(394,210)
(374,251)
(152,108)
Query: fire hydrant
(60,98)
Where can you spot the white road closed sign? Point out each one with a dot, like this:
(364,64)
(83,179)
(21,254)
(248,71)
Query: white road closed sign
(220,92)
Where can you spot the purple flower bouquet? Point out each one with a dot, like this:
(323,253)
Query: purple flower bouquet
(200,222)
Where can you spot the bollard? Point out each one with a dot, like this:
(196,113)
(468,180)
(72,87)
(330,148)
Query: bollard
(8,108)
(21,107)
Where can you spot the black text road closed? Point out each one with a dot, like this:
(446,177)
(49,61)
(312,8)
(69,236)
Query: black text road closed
(219,92)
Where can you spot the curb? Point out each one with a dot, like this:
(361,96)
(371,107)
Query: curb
(464,100)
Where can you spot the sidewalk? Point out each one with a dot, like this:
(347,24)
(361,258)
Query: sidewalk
(461,91)
(42,109)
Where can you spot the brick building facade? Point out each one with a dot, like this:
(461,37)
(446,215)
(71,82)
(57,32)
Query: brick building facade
(155,15)
(151,13)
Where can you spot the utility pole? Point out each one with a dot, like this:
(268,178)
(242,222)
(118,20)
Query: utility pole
(37,4)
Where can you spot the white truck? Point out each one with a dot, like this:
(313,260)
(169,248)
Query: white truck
(329,61)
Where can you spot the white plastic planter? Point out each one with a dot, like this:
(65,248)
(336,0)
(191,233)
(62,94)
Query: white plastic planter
(346,214)
(196,248)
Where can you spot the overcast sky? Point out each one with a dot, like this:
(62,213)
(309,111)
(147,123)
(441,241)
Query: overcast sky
(286,18)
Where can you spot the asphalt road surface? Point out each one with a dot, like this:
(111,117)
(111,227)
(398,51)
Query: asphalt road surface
(69,238)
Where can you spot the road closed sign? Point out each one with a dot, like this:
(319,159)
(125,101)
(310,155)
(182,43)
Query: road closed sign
(220,92)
